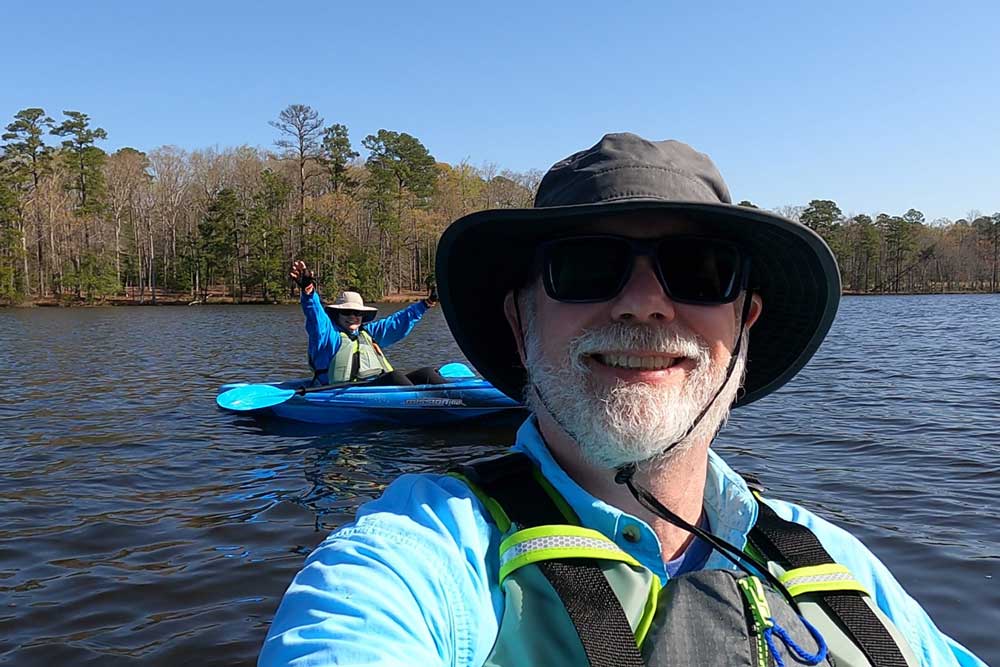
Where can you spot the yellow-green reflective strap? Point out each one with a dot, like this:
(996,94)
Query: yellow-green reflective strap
(820,578)
(540,543)
(652,600)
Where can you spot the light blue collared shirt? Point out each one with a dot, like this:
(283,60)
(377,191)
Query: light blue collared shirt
(414,579)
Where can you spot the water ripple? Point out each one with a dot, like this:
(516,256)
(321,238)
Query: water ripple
(171,529)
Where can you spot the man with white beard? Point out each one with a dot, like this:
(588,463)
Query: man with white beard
(627,422)
(631,307)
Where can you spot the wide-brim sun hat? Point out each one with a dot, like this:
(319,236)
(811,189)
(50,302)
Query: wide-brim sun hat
(484,255)
(352,301)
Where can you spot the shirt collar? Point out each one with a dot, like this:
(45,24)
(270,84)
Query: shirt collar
(729,505)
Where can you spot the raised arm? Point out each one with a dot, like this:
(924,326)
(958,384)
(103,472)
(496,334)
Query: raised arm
(397,326)
(323,338)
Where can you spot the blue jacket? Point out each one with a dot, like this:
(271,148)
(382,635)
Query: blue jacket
(324,335)
(414,579)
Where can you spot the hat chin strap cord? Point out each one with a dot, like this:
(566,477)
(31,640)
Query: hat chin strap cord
(625,474)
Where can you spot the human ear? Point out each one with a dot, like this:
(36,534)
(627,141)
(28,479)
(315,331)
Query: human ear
(755,309)
(511,312)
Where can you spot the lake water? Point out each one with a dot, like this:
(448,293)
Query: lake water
(140,525)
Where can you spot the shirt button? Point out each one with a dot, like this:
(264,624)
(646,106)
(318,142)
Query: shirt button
(631,533)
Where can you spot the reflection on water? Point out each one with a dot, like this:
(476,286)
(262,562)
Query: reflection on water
(170,529)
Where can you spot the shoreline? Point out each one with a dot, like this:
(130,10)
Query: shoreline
(395,297)
(170,299)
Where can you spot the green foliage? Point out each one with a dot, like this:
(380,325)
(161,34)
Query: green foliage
(913,217)
(25,146)
(234,218)
(86,160)
(363,272)
(858,253)
(401,160)
(402,176)
(188,264)
(217,240)
(899,241)
(988,230)
(337,154)
(824,217)
(322,239)
(899,235)
(987,227)
(263,236)
(8,198)
(94,276)
(13,184)
(400,171)
(217,236)
(820,216)
(10,243)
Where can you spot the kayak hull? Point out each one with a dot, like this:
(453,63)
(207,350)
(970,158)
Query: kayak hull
(417,405)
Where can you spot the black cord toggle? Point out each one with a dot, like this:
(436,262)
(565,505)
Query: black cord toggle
(625,473)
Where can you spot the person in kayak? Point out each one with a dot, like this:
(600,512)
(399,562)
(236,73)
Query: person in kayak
(346,341)
(631,308)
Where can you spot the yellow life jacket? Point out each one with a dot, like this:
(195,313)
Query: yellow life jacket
(358,358)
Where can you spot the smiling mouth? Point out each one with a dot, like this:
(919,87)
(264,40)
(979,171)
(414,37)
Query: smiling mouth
(642,362)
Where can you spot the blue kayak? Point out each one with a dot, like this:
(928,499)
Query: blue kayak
(462,399)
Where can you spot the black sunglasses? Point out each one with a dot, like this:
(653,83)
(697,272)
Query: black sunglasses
(352,313)
(691,269)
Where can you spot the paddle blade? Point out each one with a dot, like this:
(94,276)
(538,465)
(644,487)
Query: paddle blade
(456,370)
(253,397)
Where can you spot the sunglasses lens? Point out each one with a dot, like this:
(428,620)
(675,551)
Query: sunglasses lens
(352,313)
(700,270)
(586,269)
(591,269)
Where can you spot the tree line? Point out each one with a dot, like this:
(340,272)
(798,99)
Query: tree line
(79,224)
(906,254)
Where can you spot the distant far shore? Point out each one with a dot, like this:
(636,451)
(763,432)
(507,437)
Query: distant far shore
(945,293)
(185,299)
(409,296)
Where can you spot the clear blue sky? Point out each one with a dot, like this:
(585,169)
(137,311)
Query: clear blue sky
(879,106)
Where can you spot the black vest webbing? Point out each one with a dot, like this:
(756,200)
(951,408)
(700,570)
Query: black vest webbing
(793,546)
(593,607)
(606,636)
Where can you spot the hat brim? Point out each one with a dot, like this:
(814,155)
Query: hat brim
(369,312)
(484,255)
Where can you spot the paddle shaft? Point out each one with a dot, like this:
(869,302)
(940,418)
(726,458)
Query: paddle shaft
(456,368)
(339,385)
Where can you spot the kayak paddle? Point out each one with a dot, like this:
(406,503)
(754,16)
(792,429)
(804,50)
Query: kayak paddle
(259,396)
(456,370)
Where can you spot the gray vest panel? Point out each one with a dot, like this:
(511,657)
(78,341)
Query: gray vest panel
(702,619)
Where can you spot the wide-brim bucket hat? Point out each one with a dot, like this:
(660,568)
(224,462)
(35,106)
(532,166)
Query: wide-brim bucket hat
(484,255)
(351,301)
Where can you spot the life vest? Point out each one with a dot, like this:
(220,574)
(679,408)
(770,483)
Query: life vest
(358,358)
(572,597)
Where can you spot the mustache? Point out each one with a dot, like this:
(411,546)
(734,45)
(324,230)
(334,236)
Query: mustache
(674,340)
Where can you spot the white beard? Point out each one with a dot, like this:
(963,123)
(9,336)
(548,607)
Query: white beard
(636,422)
